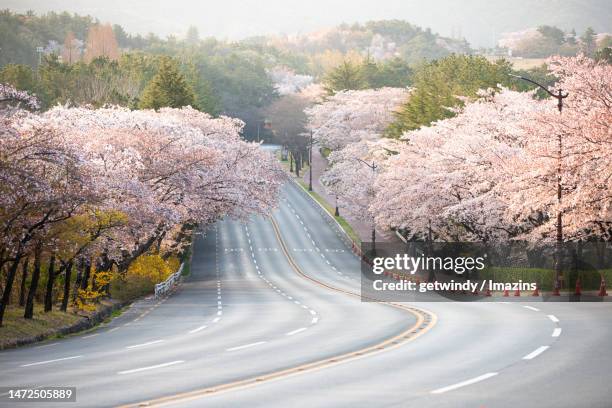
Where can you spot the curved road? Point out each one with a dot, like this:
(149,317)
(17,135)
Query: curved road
(267,319)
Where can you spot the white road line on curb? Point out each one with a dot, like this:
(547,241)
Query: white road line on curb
(50,361)
(535,309)
(464,383)
(144,344)
(556,332)
(198,329)
(553,318)
(291,333)
(245,346)
(136,370)
(47,345)
(535,353)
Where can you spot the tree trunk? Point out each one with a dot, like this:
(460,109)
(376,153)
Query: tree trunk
(64,306)
(29,308)
(87,272)
(8,287)
(77,283)
(297,165)
(50,282)
(24,276)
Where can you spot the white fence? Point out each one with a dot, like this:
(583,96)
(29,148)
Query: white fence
(164,287)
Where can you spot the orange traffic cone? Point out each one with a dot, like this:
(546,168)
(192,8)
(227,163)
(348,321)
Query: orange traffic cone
(506,293)
(536,292)
(578,290)
(488,292)
(517,293)
(602,288)
(556,291)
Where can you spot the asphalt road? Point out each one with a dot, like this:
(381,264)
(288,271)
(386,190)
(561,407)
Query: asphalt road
(268,318)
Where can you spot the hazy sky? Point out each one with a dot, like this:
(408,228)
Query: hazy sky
(480,21)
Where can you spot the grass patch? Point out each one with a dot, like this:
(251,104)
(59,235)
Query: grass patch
(15,327)
(331,210)
(325,152)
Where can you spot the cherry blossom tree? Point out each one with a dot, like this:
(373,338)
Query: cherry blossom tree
(447,176)
(578,141)
(11,97)
(350,116)
(111,183)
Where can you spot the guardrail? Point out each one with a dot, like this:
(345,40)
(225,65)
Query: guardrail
(164,287)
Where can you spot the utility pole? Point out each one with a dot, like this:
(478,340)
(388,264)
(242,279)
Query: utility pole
(372,166)
(559,96)
(310,169)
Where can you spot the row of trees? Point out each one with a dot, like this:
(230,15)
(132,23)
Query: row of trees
(490,172)
(96,190)
(546,40)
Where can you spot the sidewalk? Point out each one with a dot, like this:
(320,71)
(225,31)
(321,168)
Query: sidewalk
(363,229)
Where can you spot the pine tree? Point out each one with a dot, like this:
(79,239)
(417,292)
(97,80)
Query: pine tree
(346,76)
(167,88)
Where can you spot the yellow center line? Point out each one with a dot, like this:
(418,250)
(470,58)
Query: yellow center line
(425,320)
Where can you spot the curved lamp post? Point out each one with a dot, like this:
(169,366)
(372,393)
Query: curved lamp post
(560,95)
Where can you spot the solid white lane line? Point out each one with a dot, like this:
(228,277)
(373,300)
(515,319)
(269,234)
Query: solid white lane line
(291,333)
(91,335)
(50,361)
(144,344)
(535,353)
(245,346)
(136,370)
(535,309)
(556,332)
(314,320)
(216,319)
(553,318)
(112,330)
(464,383)
(198,329)
(47,345)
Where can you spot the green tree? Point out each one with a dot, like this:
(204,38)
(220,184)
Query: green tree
(344,77)
(167,88)
(553,33)
(588,42)
(604,55)
(440,84)
(207,99)
(18,75)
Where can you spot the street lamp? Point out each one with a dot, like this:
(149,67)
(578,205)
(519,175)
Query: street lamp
(372,166)
(560,96)
(310,163)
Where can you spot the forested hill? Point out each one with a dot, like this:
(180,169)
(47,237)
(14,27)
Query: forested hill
(479,21)
(379,40)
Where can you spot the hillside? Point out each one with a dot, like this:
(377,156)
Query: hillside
(480,21)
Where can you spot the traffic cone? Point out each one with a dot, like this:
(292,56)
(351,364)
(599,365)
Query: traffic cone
(488,292)
(506,293)
(578,290)
(536,292)
(517,293)
(602,288)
